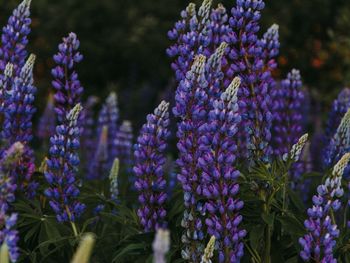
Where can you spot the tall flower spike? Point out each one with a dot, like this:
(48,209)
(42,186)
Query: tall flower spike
(47,122)
(65,78)
(209,251)
(192,36)
(149,162)
(318,244)
(98,166)
(113,178)
(123,144)
(19,108)
(340,143)
(109,116)
(63,162)
(191,100)
(161,245)
(14,38)
(88,136)
(246,60)
(288,121)
(219,177)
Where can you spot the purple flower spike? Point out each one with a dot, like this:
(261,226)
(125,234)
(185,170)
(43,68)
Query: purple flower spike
(109,116)
(149,164)
(47,122)
(14,38)
(318,244)
(65,78)
(246,60)
(19,106)
(98,165)
(191,102)
(17,126)
(192,36)
(288,121)
(123,144)
(62,167)
(339,107)
(219,176)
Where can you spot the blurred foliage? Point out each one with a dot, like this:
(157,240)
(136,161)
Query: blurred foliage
(124,44)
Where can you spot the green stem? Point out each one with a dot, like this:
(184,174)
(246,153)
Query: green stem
(268,234)
(74,227)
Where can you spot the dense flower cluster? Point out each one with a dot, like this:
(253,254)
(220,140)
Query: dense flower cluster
(319,243)
(65,78)
(149,162)
(14,38)
(340,142)
(123,144)
(219,175)
(62,167)
(109,116)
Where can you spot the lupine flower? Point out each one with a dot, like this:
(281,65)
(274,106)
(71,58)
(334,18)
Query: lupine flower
(82,255)
(219,175)
(88,137)
(113,178)
(340,142)
(98,165)
(209,251)
(123,144)
(65,78)
(149,162)
(161,245)
(17,126)
(246,60)
(14,38)
(47,122)
(318,244)
(109,116)
(62,167)
(288,100)
(339,107)
(192,37)
(19,108)
(191,98)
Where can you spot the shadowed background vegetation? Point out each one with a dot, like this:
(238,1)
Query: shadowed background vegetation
(124,42)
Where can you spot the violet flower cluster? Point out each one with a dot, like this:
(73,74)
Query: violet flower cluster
(339,107)
(14,38)
(18,109)
(65,78)
(191,99)
(98,164)
(47,122)
(288,100)
(318,244)
(219,177)
(149,163)
(62,165)
(246,60)
(109,116)
(123,144)
(339,143)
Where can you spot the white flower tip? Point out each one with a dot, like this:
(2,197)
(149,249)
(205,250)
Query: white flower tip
(74,113)
(209,250)
(339,168)
(161,243)
(4,253)
(298,147)
(8,70)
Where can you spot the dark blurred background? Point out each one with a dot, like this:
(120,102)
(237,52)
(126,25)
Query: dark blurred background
(124,42)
